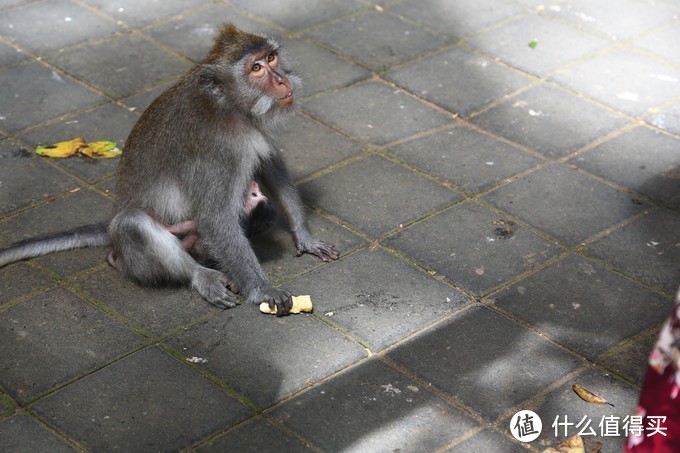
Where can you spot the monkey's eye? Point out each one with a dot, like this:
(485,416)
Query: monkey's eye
(256,67)
(272,57)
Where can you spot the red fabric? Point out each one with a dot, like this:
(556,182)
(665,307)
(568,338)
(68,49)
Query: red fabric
(660,395)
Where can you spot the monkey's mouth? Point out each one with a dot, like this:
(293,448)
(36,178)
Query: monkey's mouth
(287,99)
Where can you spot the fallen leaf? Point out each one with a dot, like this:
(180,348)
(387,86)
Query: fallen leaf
(576,444)
(587,395)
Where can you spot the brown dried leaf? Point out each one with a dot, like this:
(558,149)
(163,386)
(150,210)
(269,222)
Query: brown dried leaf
(587,395)
(576,444)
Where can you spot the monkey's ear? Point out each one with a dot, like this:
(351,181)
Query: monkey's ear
(209,79)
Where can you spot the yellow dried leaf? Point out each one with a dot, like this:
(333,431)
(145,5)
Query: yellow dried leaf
(587,395)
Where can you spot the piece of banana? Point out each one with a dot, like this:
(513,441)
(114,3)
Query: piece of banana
(300,304)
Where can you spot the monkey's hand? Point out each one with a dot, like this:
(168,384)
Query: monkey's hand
(277,299)
(323,250)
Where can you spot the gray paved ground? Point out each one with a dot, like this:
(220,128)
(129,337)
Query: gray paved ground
(509,220)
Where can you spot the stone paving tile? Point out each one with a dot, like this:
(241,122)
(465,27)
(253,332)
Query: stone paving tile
(10,150)
(675,204)
(466,83)
(465,157)
(5,3)
(549,120)
(20,279)
(376,195)
(122,65)
(563,402)
(583,306)
(623,79)
(67,263)
(58,95)
(22,433)
(377,40)
(642,159)
(108,186)
(254,436)
(296,18)
(83,207)
(487,441)
(161,404)
(156,310)
(26,179)
(68,335)
(458,18)
(631,361)
(277,253)
(140,101)
(7,406)
(255,361)
(192,34)
(377,297)
(511,44)
(485,361)
(384,115)
(105,122)
(666,118)
(136,13)
(615,19)
(471,247)
(321,70)
(53,24)
(10,55)
(309,146)
(571,206)
(661,43)
(373,408)
(647,248)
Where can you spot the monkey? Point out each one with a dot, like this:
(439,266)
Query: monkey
(258,213)
(187,159)
(258,216)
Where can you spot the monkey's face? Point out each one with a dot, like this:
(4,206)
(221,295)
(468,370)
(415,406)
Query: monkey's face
(264,72)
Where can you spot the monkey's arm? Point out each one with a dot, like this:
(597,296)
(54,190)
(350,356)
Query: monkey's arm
(275,177)
(225,242)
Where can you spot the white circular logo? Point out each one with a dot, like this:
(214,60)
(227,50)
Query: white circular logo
(525,426)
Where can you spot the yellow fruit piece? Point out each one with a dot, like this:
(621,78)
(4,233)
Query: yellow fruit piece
(62,149)
(103,149)
(300,304)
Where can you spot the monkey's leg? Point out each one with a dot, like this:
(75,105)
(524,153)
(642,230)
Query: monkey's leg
(149,254)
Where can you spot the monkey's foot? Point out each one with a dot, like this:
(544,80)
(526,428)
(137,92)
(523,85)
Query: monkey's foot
(213,286)
(320,249)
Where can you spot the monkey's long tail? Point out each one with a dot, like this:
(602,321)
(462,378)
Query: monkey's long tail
(85,236)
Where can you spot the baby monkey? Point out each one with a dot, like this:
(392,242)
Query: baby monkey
(183,172)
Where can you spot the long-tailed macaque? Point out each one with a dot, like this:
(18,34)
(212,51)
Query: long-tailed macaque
(186,170)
